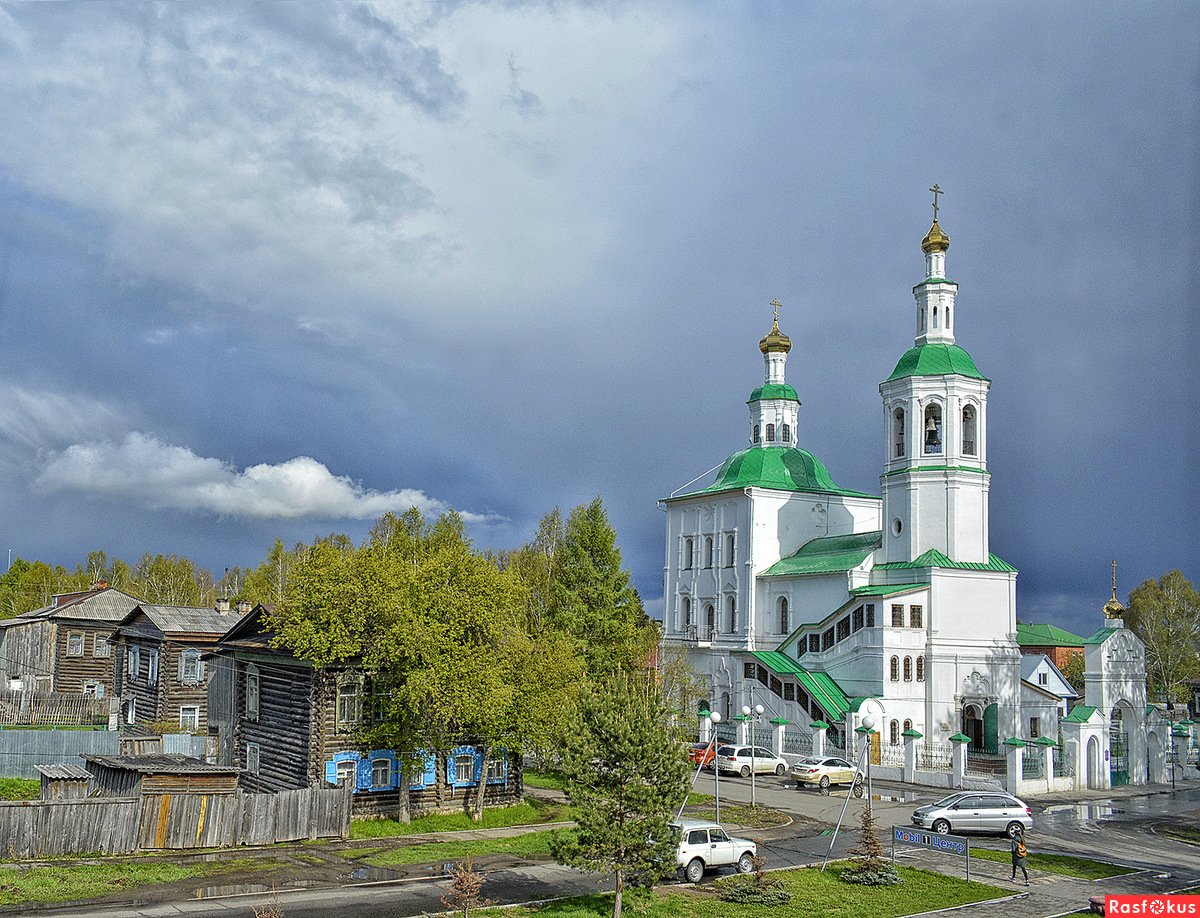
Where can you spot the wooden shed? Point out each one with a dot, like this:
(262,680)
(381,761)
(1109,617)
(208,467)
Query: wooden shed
(63,782)
(129,776)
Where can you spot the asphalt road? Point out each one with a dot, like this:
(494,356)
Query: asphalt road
(1118,828)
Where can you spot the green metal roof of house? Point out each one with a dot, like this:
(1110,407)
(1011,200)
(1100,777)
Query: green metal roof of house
(936,360)
(819,686)
(782,468)
(887,589)
(1031,635)
(1080,714)
(774,390)
(827,555)
(935,558)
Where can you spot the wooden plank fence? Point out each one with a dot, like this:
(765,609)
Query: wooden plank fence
(51,708)
(38,829)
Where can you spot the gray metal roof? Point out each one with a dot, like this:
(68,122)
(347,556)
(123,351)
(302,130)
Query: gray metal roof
(107,605)
(63,772)
(161,764)
(190,619)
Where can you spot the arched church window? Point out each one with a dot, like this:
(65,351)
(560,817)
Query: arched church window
(687,613)
(755,433)
(708,551)
(729,546)
(933,430)
(783,615)
(908,669)
(920,669)
(947,317)
(895,669)
(894,732)
(731,614)
(935,325)
(687,554)
(710,621)
(770,433)
(907,725)
(922,315)
(787,434)
(968,430)
(898,432)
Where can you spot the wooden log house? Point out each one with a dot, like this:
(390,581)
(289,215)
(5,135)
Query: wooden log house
(159,670)
(289,725)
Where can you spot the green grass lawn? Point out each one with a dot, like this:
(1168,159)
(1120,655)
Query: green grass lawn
(549,780)
(531,812)
(1181,832)
(816,894)
(20,788)
(90,881)
(752,817)
(531,844)
(1063,864)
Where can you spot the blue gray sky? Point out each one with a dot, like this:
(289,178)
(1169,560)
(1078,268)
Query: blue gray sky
(273,269)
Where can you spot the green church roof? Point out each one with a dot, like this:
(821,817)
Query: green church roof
(1031,635)
(936,360)
(935,558)
(774,390)
(1080,714)
(827,555)
(887,589)
(782,468)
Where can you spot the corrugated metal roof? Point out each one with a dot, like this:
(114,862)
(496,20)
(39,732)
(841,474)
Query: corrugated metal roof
(63,772)
(161,764)
(1039,635)
(887,589)
(827,693)
(935,558)
(107,605)
(189,619)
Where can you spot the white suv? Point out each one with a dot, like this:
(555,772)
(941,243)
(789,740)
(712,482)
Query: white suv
(705,844)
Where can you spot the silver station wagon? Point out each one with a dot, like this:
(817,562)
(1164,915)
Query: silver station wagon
(975,811)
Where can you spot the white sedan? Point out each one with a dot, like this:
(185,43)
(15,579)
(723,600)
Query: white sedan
(824,770)
(742,759)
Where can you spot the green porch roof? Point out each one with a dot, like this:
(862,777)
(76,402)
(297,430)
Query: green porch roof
(827,693)
(1080,714)
(827,555)
(782,468)
(887,589)
(1031,635)
(774,390)
(936,360)
(935,558)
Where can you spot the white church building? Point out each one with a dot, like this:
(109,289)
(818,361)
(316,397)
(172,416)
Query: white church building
(826,604)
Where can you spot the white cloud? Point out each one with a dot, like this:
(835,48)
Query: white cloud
(143,470)
(33,423)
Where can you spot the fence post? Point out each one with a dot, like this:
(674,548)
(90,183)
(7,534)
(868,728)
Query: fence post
(910,755)
(819,729)
(958,759)
(705,727)
(1048,753)
(778,734)
(1014,748)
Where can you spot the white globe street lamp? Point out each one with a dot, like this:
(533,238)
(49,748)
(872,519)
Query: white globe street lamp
(869,723)
(751,716)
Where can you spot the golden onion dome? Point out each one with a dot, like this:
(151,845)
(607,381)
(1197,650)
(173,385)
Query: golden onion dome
(1113,608)
(775,340)
(935,240)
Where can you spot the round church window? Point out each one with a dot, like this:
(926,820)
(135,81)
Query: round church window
(897,526)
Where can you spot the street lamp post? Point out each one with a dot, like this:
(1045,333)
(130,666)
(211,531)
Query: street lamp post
(751,716)
(869,723)
(714,718)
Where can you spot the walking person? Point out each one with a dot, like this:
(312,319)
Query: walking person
(1019,853)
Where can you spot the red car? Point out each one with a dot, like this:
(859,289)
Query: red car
(703,753)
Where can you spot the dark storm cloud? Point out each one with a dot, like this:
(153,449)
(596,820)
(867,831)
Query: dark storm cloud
(507,257)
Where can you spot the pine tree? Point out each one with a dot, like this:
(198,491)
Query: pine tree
(869,866)
(625,777)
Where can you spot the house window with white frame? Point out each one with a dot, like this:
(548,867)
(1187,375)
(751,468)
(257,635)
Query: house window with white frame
(93,689)
(349,703)
(464,769)
(100,646)
(1035,726)
(1043,678)
(131,711)
(495,772)
(347,770)
(381,772)
(152,667)
(253,757)
(133,664)
(75,644)
(189,718)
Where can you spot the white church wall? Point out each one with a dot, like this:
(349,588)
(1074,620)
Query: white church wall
(967,604)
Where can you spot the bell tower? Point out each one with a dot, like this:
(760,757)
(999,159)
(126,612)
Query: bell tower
(774,406)
(935,479)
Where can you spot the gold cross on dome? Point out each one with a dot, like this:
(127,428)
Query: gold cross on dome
(936,189)
(1114,567)
(777,305)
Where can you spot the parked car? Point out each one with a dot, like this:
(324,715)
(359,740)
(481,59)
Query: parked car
(703,845)
(826,770)
(740,759)
(702,753)
(975,811)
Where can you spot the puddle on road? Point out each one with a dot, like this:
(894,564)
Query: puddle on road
(1085,812)
(239,889)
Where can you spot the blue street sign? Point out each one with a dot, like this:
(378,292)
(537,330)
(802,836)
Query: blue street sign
(951,844)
